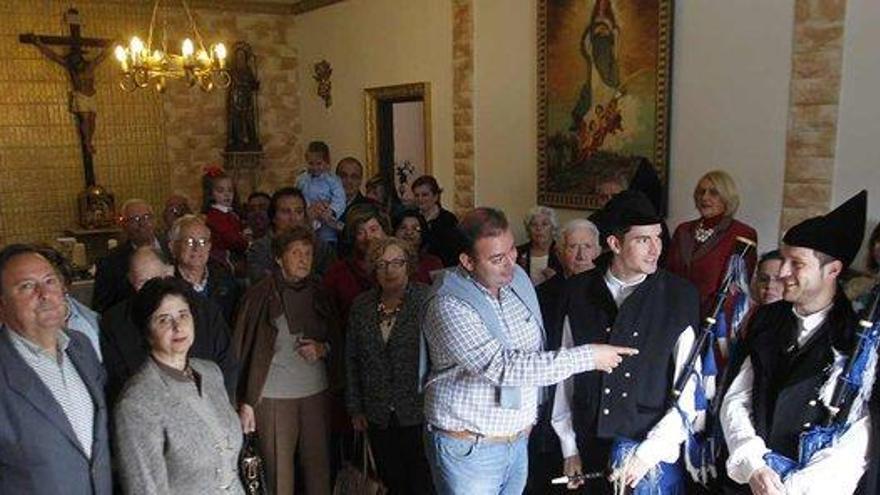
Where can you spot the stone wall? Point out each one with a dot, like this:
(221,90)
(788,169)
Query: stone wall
(811,143)
(463,103)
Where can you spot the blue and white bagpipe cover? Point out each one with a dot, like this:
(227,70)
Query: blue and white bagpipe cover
(859,383)
(705,438)
(662,479)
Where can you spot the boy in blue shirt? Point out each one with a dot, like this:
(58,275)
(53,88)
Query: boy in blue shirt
(325,196)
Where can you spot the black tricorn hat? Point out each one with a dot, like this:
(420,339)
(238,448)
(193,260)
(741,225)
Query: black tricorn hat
(838,233)
(626,209)
(646,180)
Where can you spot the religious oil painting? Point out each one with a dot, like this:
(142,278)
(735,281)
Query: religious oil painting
(603,95)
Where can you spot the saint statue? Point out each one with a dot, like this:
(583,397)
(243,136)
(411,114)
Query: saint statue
(241,101)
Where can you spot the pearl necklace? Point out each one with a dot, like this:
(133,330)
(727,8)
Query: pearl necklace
(702,234)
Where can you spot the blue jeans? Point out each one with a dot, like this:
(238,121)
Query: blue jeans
(477,466)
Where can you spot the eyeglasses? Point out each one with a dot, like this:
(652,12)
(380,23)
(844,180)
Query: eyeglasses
(139,219)
(410,229)
(397,264)
(178,210)
(502,258)
(192,242)
(166,322)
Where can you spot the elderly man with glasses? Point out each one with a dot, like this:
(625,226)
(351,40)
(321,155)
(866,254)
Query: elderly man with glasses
(139,226)
(189,241)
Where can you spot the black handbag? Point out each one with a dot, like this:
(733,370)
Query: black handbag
(251,467)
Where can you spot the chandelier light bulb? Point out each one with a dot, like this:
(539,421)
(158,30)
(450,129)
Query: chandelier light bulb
(119,53)
(136,46)
(188,48)
(220,51)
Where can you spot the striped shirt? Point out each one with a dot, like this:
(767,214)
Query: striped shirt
(62,379)
(465,397)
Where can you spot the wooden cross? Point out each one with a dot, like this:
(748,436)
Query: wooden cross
(82,78)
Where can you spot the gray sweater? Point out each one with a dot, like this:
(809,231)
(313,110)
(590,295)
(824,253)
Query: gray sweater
(170,439)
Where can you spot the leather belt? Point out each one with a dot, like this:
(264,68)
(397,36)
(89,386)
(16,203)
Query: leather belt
(469,435)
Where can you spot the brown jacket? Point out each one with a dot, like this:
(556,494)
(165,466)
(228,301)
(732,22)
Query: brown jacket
(255,332)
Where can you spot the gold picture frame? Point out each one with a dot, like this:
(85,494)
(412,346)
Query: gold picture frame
(603,95)
(374,99)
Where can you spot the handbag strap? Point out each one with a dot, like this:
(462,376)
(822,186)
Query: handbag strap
(369,461)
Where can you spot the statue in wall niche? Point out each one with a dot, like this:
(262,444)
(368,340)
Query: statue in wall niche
(241,101)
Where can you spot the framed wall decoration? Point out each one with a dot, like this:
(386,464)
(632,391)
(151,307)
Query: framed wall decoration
(603,95)
(397,127)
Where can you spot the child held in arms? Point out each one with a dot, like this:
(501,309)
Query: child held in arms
(325,196)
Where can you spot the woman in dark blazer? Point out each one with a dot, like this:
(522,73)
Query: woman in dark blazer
(538,257)
(382,351)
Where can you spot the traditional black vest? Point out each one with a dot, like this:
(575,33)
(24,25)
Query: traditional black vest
(629,401)
(785,394)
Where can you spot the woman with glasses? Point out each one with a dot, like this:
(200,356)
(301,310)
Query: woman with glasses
(382,367)
(175,428)
(539,257)
(410,226)
(285,340)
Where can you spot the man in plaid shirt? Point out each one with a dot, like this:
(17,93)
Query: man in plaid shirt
(485,337)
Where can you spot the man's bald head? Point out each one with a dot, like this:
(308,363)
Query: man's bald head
(147,263)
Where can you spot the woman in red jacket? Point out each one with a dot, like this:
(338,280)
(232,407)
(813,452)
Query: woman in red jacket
(700,248)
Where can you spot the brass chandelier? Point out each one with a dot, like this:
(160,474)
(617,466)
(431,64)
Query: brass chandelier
(144,65)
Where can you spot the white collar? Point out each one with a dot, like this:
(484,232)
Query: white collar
(223,208)
(201,286)
(807,325)
(619,289)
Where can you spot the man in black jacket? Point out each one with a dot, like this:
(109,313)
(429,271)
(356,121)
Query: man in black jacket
(626,422)
(784,385)
(139,227)
(123,345)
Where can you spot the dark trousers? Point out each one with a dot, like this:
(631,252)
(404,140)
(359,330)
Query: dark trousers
(545,457)
(400,459)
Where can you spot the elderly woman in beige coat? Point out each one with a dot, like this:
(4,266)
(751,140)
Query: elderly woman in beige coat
(176,431)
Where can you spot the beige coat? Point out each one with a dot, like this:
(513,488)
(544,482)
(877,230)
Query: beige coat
(170,439)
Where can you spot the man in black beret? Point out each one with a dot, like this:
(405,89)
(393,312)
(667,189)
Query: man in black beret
(626,422)
(784,385)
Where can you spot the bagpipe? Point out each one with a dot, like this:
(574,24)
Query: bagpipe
(848,401)
(705,439)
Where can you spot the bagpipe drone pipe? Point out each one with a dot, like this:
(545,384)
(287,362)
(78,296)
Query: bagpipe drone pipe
(705,439)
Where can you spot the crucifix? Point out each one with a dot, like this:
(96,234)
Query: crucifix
(82,78)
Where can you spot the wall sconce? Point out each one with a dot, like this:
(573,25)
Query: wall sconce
(322,74)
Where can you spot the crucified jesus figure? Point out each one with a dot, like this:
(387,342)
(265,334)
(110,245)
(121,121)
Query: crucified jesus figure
(82,77)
